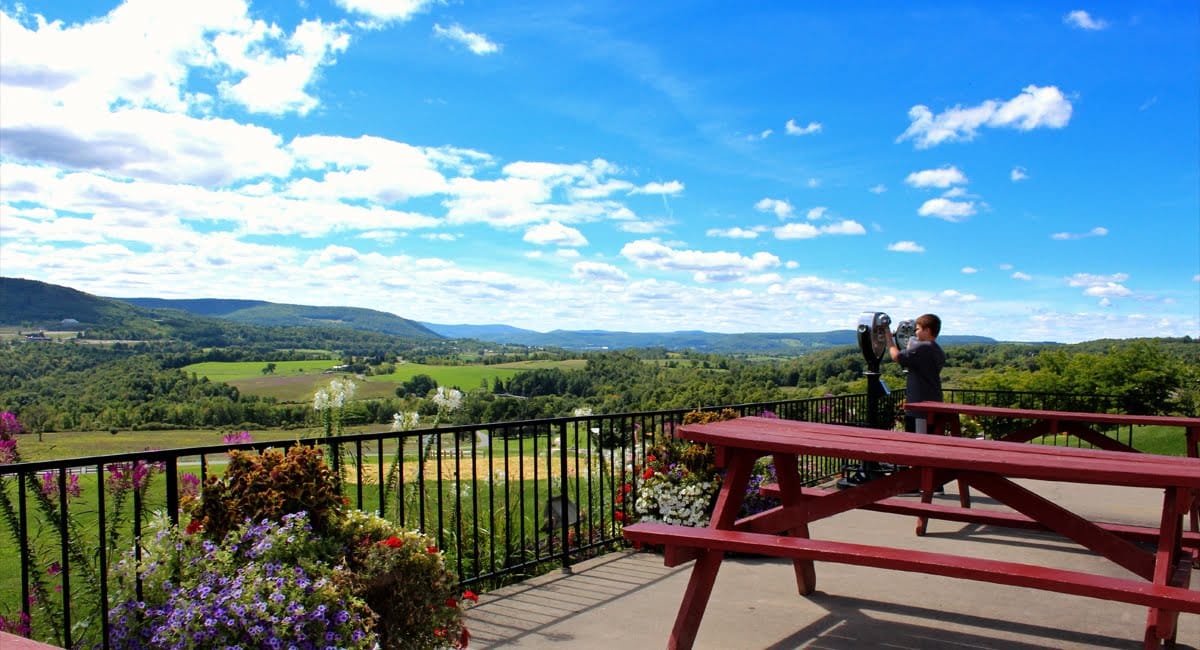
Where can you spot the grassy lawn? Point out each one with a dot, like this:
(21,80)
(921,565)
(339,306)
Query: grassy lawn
(296,381)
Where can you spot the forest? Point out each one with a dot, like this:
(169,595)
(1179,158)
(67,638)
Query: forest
(85,386)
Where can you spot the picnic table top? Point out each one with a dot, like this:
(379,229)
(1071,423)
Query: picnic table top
(1043,414)
(1015,460)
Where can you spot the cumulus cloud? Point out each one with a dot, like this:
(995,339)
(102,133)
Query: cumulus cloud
(1080,19)
(969,270)
(555,234)
(878,189)
(1018,275)
(1036,107)
(1018,174)
(952,211)
(732,233)
(714,265)
(477,43)
(670,187)
(809,231)
(598,272)
(386,10)
(1104,287)
(1098,231)
(781,208)
(796,129)
(942,177)
(906,247)
(817,213)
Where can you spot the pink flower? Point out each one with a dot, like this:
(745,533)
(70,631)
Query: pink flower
(189,485)
(237,438)
(9,425)
(54,569)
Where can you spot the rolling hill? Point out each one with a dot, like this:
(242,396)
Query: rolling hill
(37,305)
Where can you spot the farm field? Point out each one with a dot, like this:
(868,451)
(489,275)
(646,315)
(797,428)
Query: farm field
(296,381)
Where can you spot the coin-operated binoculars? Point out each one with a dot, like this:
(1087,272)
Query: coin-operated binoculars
(872,341)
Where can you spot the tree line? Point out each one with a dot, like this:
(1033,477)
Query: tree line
(76,386)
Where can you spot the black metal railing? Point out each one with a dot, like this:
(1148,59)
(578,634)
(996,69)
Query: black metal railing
(504,501)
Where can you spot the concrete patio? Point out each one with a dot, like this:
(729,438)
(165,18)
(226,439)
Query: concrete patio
(629,599)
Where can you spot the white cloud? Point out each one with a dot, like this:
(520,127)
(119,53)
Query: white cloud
(555,234)
(942,177)
(957,296)
(1081,19)
(1018,174)
(813,183)
(782,209)
(670,187)
(1036,107)
(969,270)
(719,264)
(817,213)
(809,231)
(732,233)
(386,10)
(598,272)
(878,189)
(765,134)
(796,129)
(952,211)
(906,247)
(1018,275)
(1098,231)
(477,43)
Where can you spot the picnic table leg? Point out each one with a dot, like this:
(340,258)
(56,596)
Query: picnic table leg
(926,497)
(788,475)
(695,600)
(1193,451)
(1161,624)
(737,464)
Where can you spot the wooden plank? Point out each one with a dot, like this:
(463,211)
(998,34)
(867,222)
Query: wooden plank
(980,516)
(768,435)
(1061,416)
(1136,592)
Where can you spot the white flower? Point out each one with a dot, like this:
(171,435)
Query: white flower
(448,400)
(406,421)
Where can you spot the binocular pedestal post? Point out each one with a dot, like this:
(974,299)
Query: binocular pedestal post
(872,340)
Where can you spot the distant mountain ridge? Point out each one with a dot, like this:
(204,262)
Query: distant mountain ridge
(746,342)
(263,313)
(29,303)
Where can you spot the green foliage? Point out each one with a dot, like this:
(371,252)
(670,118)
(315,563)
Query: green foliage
(268,486)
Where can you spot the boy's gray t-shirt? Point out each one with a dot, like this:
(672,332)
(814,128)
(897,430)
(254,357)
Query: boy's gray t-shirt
(924,361)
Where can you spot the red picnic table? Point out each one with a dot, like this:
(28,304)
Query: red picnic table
(1157,559)
(943,418)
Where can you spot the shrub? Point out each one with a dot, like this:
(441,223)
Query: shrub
(268,486)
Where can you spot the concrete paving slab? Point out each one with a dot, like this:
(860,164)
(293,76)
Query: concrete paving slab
(629,599)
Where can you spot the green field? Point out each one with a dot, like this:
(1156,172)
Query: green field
(296,381)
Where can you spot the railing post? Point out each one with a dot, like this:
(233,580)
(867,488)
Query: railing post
(564,521)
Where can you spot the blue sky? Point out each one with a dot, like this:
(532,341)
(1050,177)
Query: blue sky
(1027,170)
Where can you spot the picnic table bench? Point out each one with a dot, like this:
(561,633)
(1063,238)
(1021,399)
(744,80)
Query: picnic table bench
(1157,559)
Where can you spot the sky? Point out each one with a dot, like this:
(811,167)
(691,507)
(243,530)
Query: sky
(1026,170)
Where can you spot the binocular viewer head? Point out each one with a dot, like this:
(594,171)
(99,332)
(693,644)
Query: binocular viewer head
(872,334)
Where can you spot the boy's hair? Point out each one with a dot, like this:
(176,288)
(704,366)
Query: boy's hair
(930,322)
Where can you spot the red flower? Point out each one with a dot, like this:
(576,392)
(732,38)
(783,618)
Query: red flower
(464,638)
(451,603)
(431,549)
(648,473)
(619,516)
(440,632)
(392,542)
(620,498)
(471,596)
(650,458)
(627,488)
(193,527)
